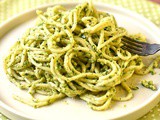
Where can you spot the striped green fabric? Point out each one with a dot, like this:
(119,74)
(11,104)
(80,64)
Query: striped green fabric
(150,10)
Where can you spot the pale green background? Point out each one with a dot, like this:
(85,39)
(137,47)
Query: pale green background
(9,8)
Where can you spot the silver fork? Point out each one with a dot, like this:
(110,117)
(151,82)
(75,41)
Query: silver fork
(140,48)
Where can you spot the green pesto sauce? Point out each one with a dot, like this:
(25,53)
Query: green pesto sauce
(149,84)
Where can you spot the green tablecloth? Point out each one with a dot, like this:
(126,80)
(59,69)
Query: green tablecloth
(150,10)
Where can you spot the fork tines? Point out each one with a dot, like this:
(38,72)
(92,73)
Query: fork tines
(133,46)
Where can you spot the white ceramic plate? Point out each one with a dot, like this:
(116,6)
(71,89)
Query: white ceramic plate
(144,99)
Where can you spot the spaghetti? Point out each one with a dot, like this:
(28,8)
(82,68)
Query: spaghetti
(72,53)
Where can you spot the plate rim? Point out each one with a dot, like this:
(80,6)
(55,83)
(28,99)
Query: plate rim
(121,9)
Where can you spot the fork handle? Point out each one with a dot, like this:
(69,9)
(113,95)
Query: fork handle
(152,48)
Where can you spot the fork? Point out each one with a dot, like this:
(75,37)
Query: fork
(140,48)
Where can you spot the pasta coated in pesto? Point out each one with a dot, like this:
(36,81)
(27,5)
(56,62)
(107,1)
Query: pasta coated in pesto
(72,53)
